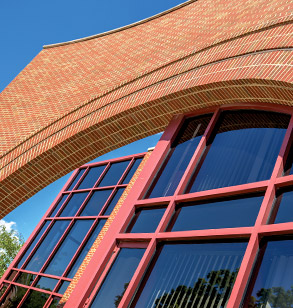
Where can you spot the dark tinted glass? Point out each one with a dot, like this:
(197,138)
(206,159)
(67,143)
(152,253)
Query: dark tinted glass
(33,244)
(46,283)
(73,204)
(86,248)
(178,158)
(132,170)
(91,177)
(11,275)
(63,287)
(44,250)
(13,298)
(55,302)
(243,150)
(146,221)
(59,204)
(192,275)
(114,173)
(274,282)
(35,300)
(288,166)
(114,201)
(96,202)
(218,214)
(284,206)
(118,278)
(25,278)
(76,179)
(68,248)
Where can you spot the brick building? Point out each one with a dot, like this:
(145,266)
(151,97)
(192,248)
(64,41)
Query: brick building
(203,220)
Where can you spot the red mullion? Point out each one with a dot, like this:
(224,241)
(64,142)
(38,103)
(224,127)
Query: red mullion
(197,154)
(64,205)
(138,274)
(249,258)
(81,246)
(24,297)
(276,229)
(153,201)
(74,175)
(284,181)
(57,246)
(166,217)
(130,164)
(114,190)
(256,187)
(161,150)
(104,273)
(102,175)
(131,237)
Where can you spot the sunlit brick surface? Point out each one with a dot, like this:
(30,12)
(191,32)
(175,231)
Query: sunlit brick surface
(77,101)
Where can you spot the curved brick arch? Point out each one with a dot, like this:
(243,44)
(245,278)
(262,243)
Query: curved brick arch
(56,117)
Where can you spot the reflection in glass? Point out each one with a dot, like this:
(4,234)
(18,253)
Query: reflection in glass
(114,201)
(243,150)
(55,302)
(284,208)
(96,202)
(114,173)
(25,278)
(63,287)
(178,158)
(73,204)
(91,177)
(33,244)
(132,170)
(35,300)
(68,247)
(14,296)
(86,248)
(11,275)
(272,282)
(46,247)
(192,275)
(218,214)
(79,175)
(59,204)
(289,162)
(118,278)
(146,220)
(46,283)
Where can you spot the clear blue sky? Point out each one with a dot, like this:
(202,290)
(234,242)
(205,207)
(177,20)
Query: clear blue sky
(25,26)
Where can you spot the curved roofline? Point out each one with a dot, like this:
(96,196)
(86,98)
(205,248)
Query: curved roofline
(121,28)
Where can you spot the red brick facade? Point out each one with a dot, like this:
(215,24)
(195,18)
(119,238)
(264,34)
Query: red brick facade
(76,101)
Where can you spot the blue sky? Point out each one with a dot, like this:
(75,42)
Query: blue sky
(25,26)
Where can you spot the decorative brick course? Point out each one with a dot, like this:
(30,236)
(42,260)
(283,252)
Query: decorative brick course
(80,100)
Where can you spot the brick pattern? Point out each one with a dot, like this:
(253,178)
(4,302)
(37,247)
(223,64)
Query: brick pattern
(78,101)
(104,230)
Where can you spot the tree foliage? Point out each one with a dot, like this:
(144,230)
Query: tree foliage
(10,243)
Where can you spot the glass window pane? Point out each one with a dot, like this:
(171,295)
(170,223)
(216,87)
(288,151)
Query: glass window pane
(68,247)
(284,206)
(96,202)
(118,278)
(243,150)
(58,206)
(218,214)
(73,205)
(91,177)
(79,175)
(14,296)
(63,287)
(192,275)
(86,248)
(132,170)
(288,166)
(35,300)
(55,302)
(274,270)
(46,283)
(46,247)
(114,173)
(33,244)
(11,275)
(114,201)
(146,220)
(178,158)
(25,278)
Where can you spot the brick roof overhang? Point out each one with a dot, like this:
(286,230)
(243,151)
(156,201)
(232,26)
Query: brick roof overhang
(78,100)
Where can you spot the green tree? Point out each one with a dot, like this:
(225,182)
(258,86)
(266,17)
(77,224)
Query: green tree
(10,243)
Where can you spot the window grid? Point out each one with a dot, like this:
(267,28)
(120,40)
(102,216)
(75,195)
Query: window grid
(96,219)
(252,234)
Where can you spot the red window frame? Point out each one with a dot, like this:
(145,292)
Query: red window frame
(87,287)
